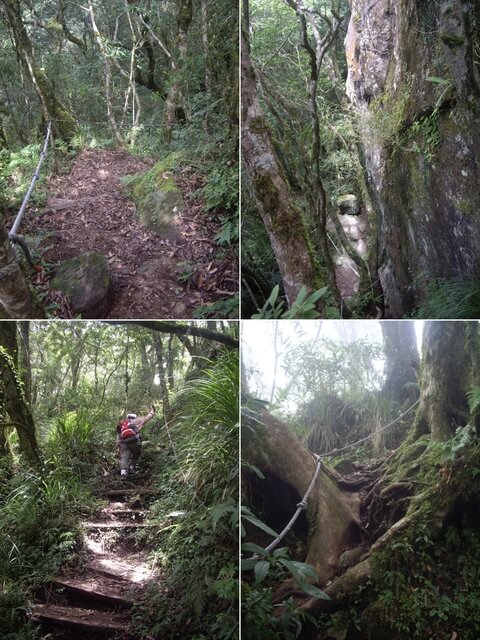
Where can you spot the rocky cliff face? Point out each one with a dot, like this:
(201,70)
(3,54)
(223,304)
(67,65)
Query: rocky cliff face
(414,77)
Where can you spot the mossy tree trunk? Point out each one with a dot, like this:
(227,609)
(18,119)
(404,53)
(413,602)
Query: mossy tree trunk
(283,220)
(24,359)
(63,123)
(316,47)
(16,406)
(450,355)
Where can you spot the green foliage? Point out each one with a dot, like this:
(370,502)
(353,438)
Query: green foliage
(473,396)
(13,614)
(429,588)
(464,437)
(221,187)
(452,40)
(226,308)
(423,135)
(454,298)
(304,306)
(16,173)
(229,230)
(260,573)
(38,533)
(385,117)
(210,413)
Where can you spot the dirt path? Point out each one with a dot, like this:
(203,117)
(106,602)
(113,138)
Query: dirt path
(96,603)
(152,277)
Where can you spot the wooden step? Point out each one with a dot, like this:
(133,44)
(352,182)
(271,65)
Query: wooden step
(112,493)
(129,573)
(116,525)
(134,513)
(80,619)
(88,588)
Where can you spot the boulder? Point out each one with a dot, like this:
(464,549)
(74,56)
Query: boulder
(348,205)
(86,281)
(158,200)
(164,206)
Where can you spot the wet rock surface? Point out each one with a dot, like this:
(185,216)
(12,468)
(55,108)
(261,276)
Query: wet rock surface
(415,83)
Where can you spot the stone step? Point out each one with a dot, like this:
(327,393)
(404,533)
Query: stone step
(91,620)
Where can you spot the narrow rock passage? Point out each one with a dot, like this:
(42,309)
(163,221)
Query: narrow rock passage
(96,603)
(153,277)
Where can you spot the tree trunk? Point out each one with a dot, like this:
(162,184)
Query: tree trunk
(174,103)
(284,222)
(332,514)
(170,363)
(448,370)
(206,56)
(402,360)
(24,359)
(63,123)
(109,63)
(161,376)
(15,403)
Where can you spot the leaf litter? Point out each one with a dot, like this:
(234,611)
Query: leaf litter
(152,277)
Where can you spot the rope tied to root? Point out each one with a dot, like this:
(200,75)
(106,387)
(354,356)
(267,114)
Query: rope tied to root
(302,505)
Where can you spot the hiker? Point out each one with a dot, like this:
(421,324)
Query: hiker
(129,441)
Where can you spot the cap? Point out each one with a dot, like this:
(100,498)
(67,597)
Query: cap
(132,416)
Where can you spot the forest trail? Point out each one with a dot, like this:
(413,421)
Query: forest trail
(152,277)
(96,603)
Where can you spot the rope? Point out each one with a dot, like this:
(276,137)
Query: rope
(301,506)
(371,435)
(18,219)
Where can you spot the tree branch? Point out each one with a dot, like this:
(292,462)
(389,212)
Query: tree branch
(180,329)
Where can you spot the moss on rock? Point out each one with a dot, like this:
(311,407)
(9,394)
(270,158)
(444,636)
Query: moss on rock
(86,281)
(158,199)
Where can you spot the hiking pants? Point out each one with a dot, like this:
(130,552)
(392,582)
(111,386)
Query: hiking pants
(129,454)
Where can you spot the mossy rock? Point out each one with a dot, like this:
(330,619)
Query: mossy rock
(86,281)
(158,199)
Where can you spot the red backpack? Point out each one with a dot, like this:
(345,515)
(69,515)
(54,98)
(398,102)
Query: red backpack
(127,430)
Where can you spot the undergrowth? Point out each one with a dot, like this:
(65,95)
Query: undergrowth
(195,544)
(39,532)
(40,513)
(455,299)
